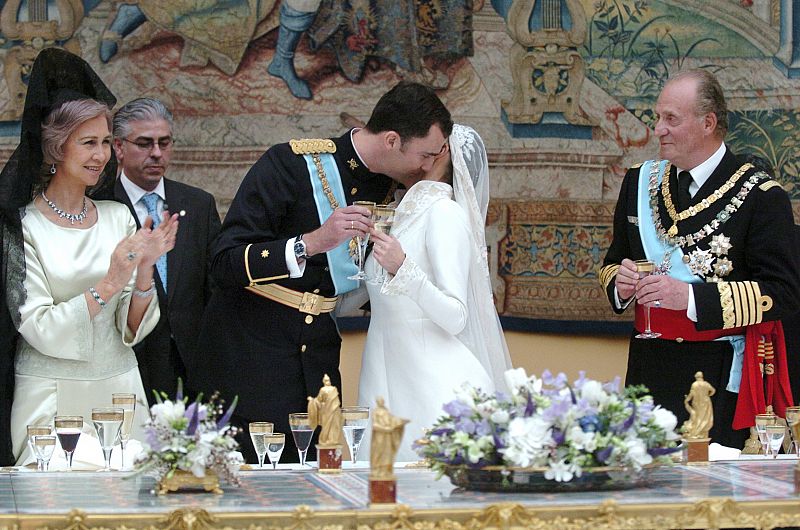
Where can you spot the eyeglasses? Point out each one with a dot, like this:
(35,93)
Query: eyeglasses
(148,144)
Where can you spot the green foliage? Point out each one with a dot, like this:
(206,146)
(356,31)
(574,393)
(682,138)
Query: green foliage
(625,58)
(772,135)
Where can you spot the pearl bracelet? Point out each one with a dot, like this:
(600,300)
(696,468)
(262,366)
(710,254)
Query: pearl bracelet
(97,297)
(144,294)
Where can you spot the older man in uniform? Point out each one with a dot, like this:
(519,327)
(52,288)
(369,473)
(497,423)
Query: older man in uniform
(720,233)
(282,257)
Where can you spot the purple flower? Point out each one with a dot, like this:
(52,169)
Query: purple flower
(557,382)
(659,451)
(558,408)
(612,387)
(457,408)
(483,428)
(590,423)
(530,407)
(465,425)
(580,380)
(558,436)
(604,454)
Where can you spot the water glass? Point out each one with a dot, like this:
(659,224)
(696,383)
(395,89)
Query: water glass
(793,421)
(68,430)
(43,447)
(275,443)
(775,434)
(34,430)
(356,420)
(108,423)
(302,433)
(259,430)
(127,402)
(762,422)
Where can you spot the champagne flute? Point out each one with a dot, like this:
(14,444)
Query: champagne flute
(43,446)
(775,434)
(108,423)
(762,421)
(275,443)
(34,430)
(646,268)
(793,420)
(383,217)
(302,433)
(355,424)
(127,402)
(361,243)
(259,430)
(68,430)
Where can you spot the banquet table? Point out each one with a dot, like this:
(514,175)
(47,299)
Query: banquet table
(751,493)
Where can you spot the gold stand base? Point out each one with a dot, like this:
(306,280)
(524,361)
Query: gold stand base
(382,491)
(184,480)
(697,450)
(330,458)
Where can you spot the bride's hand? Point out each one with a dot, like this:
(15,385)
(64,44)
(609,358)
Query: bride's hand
(387,251)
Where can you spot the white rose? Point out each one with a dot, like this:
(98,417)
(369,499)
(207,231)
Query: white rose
(593,392)
(666,420)
(637,452)
(500,417)
(167,412)
(515,378)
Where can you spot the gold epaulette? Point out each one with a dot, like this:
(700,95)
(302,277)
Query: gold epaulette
(765,186)
(312,146)
(636,166)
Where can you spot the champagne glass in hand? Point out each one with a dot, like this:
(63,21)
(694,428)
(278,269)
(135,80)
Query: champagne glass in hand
(383,217)
(34,430)
(646,268)
(302,433)
(361,244)
(259,430)
(127,402)
(275,443)
(108,423)
(43,446)
(355,423)
(68,430)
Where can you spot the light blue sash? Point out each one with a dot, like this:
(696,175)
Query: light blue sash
(655,249)
(339,260)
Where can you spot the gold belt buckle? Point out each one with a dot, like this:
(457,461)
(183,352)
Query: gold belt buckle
(311,304)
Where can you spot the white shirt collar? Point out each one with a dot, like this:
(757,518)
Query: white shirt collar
(352,131)
(135,193)
(701,173)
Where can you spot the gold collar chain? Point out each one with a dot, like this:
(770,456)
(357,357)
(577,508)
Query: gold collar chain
(691,211)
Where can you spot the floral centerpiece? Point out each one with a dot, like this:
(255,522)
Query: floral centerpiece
(196,439)
(563,430)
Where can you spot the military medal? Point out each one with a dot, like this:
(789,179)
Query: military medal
(673,230)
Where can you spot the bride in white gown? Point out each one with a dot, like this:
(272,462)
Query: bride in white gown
(433,322)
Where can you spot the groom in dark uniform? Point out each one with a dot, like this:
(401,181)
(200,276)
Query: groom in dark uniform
(282,257)
(720,233)
(143,142)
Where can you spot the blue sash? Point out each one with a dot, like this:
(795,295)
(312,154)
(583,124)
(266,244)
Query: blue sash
(655,249)
(339,260)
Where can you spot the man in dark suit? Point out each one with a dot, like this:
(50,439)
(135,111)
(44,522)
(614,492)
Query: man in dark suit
(720,233)
(143,144)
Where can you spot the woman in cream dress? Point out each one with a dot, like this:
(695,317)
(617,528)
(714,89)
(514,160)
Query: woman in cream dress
(82,291)
(433,322)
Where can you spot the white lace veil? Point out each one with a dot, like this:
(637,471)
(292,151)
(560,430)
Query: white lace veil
(483,334)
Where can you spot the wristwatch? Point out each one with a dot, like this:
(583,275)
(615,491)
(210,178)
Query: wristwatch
(300,248)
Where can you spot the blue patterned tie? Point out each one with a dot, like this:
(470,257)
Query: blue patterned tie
(150,200)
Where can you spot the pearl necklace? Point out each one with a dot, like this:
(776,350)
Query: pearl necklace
(71,217)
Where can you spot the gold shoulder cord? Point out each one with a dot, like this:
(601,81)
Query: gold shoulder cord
(315,147)
(705,203)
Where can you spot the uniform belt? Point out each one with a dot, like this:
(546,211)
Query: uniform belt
(310,303)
